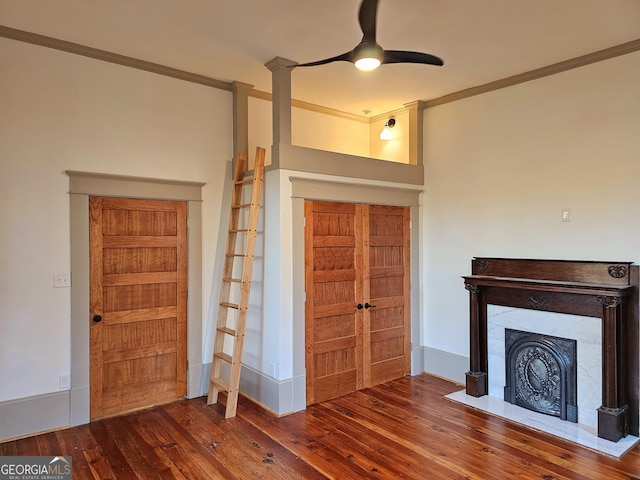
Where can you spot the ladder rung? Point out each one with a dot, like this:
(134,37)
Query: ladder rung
(242,205)
(232,280)
(221,383)
(245,181)
(227,330)
(238,230)
(229,305)
(223,356)
(235,255)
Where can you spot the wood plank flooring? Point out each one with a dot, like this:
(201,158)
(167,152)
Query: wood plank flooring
(402,429)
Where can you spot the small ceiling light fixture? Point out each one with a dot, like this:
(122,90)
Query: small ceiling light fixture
(386,133)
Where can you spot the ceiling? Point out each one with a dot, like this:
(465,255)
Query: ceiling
(480,41)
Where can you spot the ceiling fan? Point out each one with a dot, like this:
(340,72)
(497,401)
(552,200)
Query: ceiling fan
(368,55)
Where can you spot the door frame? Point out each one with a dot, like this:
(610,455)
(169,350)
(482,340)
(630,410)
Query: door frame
(85,184)
(333,191)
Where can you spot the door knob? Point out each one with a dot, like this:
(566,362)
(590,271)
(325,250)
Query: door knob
(359,306)
(368,305)
(97,318)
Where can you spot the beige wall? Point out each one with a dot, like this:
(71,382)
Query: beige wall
(500,167)
(327,132)
(323,131)
(310,129)
(66,112)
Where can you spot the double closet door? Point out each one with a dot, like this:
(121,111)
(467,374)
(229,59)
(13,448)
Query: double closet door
(357,306)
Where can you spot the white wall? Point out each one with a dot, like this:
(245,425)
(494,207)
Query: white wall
(65,112)
(499,168)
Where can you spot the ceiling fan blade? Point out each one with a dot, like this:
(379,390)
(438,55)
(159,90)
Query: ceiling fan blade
(368,48)
(347,57)
(367,17)
(401,56)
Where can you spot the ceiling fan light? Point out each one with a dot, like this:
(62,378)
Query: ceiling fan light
(368,56)
(367,64)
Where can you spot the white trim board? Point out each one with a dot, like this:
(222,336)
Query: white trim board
(40,413)
(573,432)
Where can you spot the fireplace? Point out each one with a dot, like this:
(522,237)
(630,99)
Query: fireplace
(541,373)
(606,291)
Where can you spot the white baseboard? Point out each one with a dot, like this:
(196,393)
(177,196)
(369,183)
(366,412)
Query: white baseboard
(194,381)
(280,396)
(444,364)
(79,406)
(30,415)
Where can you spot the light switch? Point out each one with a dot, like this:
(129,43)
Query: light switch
(566,214)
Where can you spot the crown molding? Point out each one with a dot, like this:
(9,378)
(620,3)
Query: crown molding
(385,116)
(261,95)
(97,54)
(594,57)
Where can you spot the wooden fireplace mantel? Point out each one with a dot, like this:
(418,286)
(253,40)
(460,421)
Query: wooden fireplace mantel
(607,290)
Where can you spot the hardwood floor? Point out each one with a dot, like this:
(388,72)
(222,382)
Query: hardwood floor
(401,429)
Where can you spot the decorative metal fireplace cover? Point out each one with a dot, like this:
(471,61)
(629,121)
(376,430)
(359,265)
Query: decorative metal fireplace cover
(541,373)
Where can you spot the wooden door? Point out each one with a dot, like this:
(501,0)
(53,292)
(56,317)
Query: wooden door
(357,297)
(138,313)
(387,283)
(333,262)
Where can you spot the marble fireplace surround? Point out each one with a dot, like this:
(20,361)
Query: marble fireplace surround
(586,331)
(607,291)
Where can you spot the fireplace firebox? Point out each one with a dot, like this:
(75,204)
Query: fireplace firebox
(541,373)
(605,290)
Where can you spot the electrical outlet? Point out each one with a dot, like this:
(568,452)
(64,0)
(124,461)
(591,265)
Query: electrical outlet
(61,280)
(566,214)
(64,381)
(272,367)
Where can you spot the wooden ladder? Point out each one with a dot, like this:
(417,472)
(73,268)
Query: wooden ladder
(234,287)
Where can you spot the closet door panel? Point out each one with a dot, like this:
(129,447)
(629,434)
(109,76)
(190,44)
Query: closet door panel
(388,317)
(333,256)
